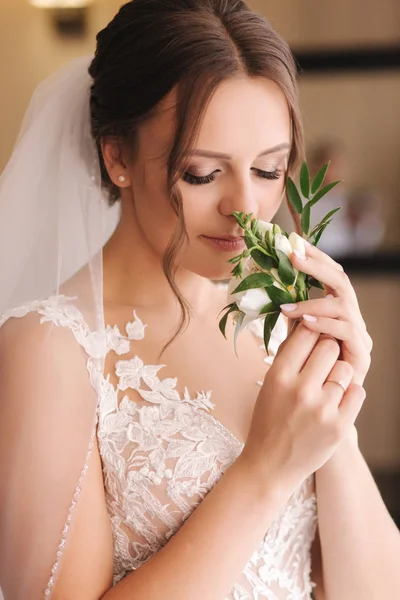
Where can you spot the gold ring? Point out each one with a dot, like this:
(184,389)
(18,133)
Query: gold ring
(340,382)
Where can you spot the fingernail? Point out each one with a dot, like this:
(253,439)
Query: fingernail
(330,296)
(310,318)
(288,307)
(307,243)
(299,255)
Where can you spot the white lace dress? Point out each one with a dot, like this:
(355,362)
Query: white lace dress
(162,453)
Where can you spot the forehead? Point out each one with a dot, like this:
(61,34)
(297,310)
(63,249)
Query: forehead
(247,114)
(244,115)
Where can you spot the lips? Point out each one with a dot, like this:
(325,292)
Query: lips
(229,238)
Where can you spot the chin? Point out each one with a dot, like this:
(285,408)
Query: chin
(215,272)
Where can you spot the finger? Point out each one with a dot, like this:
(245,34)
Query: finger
(321,361)
(351,404)
(315,252)
(358,342)
(330,307)
(335,279)
(321,307)
(338,381)
(294,352)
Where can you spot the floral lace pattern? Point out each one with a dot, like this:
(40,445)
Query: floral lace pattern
(162,453)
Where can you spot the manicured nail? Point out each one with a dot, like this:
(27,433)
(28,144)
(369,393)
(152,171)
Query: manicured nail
(288,307)
(299,255)
(310,318)
(330,296)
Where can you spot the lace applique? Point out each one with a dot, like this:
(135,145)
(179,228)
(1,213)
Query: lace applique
(162,454)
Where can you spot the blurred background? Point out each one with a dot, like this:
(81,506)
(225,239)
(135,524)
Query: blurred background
(349,73)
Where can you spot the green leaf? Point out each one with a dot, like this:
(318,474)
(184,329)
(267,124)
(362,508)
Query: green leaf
(238,270)
(294,196)
(263,261)
(248,218)
(319,234)
(305,181)
(315,283)
(324,220)
(235,260)
(301,281)
(222,324)
(285,269)
(305,218)
(269,324)
(279,296)
(303,295)
(249,242)
(268,308)
(319,179)
(237,329)
(318,229)
(325,190)
(254,281)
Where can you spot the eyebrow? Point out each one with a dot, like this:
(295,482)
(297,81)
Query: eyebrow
(209,154)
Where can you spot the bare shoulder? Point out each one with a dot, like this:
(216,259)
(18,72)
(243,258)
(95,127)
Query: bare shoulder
(47,399)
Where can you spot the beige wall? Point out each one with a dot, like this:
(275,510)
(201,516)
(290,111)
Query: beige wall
(363,109)
(315,23)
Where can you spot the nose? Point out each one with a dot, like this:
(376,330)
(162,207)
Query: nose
(240,197)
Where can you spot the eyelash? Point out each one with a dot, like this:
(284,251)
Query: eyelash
(204,180)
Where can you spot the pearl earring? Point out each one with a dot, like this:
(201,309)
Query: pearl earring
(121,178)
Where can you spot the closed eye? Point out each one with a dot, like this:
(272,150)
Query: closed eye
(268,174)
(205,179)
(199,180)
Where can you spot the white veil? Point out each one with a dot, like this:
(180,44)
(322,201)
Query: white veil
(54,220)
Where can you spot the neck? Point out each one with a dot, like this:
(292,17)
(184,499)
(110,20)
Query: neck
(134,276)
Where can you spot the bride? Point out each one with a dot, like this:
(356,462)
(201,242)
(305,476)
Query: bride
(140,458)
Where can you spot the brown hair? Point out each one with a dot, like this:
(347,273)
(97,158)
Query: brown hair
(153,46)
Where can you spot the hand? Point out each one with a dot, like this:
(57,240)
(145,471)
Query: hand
(338,314)
(301,417)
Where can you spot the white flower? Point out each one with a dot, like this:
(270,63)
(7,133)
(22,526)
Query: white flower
(264,226)
(253,301)
(278,282)
(250,302)
(233,284)
(283,244)
(297,243)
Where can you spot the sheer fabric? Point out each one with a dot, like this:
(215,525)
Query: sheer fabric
(162,451)
(54,220)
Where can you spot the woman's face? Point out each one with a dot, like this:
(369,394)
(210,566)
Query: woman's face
(238,164)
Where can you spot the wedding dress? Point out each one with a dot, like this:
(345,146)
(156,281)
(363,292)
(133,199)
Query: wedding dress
(162,452)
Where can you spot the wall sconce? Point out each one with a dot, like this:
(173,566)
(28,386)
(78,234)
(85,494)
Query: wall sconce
(69,17)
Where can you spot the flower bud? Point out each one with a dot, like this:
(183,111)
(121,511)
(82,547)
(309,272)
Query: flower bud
(283,244)
(264,226)
(297,243)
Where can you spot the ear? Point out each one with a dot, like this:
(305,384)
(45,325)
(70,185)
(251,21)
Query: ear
(114,162)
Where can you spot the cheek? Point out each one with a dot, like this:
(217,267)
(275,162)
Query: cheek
(270,200)
(200,205)
(154,212)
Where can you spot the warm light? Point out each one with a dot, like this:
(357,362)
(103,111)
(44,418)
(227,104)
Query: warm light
(60,3)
